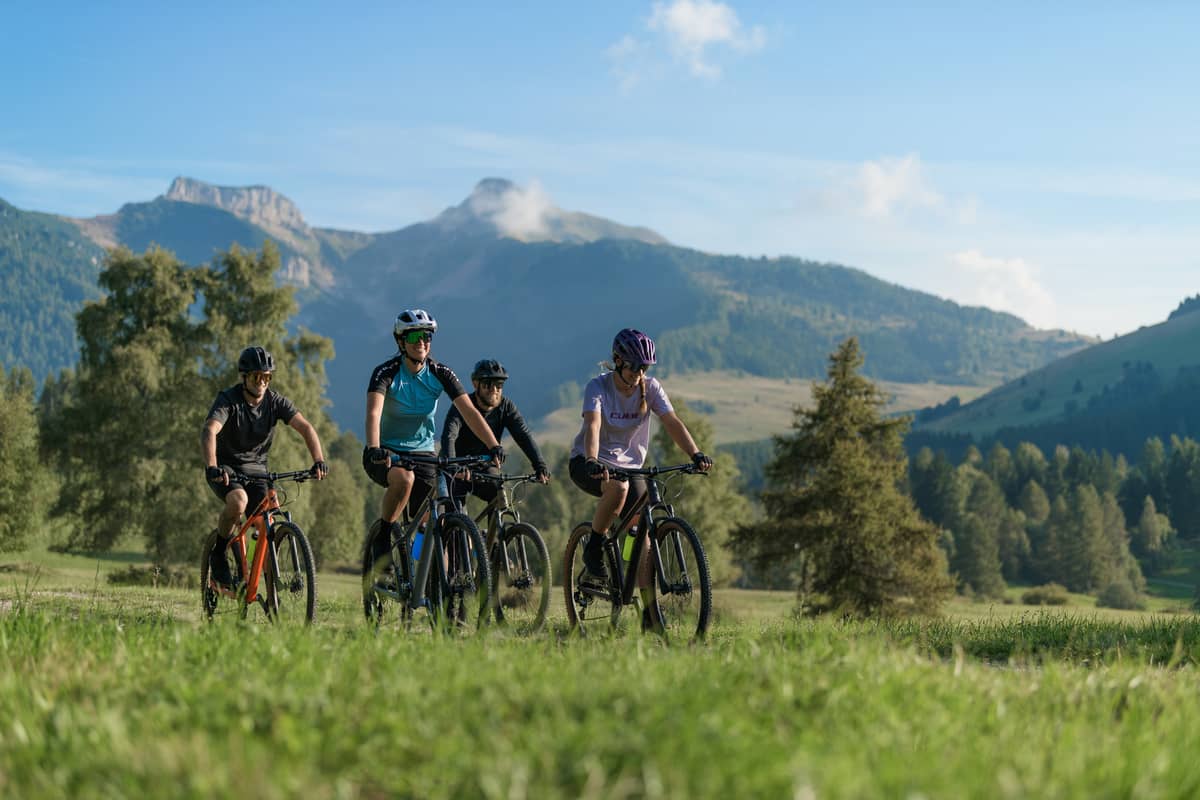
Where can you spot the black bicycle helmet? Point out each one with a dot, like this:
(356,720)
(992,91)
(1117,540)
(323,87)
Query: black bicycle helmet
(255,359)
(489,369)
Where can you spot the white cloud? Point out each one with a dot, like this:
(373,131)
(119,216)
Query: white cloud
(1007,284)
(521,212)
(891,185)
(692,31)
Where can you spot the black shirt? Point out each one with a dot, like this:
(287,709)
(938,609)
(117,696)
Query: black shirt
(458,439)
(246,436)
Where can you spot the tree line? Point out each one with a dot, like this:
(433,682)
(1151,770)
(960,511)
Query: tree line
(1085,520)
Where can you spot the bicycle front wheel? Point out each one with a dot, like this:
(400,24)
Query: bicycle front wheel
(462,602)
(290,576)
(684,591)
(521,576)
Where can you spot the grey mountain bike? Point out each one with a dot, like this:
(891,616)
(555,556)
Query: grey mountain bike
(448,576)
(667,557)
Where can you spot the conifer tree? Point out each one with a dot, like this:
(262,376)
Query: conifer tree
(976,563)
(834,504)
(21,481)
(1152,537)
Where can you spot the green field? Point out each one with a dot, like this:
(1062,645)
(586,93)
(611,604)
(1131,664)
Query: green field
(746,408)
(123,692)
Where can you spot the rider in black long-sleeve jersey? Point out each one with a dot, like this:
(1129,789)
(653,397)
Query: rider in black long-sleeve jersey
(500,414)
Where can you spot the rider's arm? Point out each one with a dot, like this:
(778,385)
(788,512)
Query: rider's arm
(306,430)
(374,411)
(208,441)
(450,431)
(475,420)
(591,434)
(679,433)
(515,424)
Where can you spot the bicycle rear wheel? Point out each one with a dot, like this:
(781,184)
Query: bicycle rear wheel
(521,576)
(592,606)
(290,575)
(462,603)
(684,599)
(217,599)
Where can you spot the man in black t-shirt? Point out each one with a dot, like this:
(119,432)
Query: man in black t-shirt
(500,413)
(236,438)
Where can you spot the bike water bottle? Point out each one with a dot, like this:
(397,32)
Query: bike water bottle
(627,549)
(416,544)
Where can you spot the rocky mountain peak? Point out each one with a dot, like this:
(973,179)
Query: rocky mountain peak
(497,206)
(260,205)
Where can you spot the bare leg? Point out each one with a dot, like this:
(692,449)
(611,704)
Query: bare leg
(400,483)
(235,507)
(612,498)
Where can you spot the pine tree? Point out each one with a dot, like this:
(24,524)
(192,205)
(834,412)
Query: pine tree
(21,479)
(835,506)
(1152,537)
(976,563)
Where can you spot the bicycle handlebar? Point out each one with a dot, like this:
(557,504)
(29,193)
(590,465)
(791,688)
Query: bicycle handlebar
(487,476)
(443,463)
(299,476)
(650,472)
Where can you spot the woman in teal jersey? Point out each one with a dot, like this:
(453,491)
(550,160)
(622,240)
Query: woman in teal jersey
(402,400)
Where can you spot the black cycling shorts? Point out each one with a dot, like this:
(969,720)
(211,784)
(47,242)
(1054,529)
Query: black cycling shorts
(577,466)
(255,491)
(424,476)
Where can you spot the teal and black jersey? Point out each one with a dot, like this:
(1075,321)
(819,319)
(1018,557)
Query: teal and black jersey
(410,402)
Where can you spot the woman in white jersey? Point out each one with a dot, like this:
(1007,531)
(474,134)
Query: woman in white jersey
(616,433)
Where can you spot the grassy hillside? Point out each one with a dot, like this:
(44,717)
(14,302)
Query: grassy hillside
(746,408)
(1129,376)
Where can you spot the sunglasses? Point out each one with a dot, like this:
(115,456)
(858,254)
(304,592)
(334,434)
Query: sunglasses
(260,377)
(413,337)
(491,383)
(635,367)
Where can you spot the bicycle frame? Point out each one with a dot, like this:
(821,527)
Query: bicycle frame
(647,510)
(262,519)
(500,506)
(432,504)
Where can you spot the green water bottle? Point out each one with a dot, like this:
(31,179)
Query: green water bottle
(627,549)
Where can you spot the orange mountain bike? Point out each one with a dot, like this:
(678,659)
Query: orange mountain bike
(282,561)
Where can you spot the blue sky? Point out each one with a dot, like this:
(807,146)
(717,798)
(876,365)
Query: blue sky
(1036,158)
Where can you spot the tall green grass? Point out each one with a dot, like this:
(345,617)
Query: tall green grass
(116,695)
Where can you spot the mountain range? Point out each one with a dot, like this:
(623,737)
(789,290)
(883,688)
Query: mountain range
(511,276)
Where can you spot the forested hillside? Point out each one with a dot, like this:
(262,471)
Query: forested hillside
(47,270)
(546,300)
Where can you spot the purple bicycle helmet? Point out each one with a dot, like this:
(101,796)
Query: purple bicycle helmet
(634,347)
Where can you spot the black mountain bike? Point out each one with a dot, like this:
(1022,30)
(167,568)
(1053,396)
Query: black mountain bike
(519,559)
(667,556)
(448,576)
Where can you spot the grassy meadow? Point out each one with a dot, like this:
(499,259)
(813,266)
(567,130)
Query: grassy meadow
(122,691)
(746,408)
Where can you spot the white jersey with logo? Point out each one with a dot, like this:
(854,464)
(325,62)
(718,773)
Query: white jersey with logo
(624,431)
